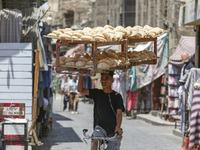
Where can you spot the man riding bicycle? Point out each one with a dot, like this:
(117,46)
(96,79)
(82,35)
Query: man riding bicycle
(108,108)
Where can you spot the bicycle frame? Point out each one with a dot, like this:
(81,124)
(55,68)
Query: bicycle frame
(104,139)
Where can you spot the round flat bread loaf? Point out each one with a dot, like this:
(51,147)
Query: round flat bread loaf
(77,34)
(102,65)
(88,66)
(82,58)
(128,30)
(112,55)
(87,29)
(109,27)
(80,64)
(137,28)
(57,32)
(77,55)
(67,29)
(63,58)
(119,36)
(68,33)
(64,36)
(100,39)
(80,31)
(99,29)
(87,38)
(52,35)
(105,60)
(70,64)
(90,62)
(61,30)
(147,27)
(71,59)
(61,62)
(86,55)
(111,51)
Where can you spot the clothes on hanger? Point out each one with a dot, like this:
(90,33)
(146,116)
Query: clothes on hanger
(195,119)
(194,74)
(131,100)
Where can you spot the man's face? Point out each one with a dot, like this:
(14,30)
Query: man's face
(74,77)
(185,57)
(106,81)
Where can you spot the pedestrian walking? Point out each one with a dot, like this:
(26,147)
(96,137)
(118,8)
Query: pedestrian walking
(64,91)
(142,98)
(66,101)
(73,93)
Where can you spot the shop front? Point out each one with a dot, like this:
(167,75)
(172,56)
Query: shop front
(190,15)
(146,79)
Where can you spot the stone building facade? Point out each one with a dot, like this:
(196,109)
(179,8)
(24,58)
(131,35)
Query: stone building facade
(70,13)
(163,14)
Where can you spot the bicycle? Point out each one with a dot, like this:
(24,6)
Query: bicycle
(105,140)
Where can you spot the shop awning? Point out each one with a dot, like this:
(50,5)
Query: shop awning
(186,43)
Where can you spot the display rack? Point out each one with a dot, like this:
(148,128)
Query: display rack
(173,85)
(124,44)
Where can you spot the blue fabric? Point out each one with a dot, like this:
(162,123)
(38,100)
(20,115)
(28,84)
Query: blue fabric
(87,82)
(40,97)
(46,75)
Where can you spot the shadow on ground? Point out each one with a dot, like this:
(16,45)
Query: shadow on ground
(58,135)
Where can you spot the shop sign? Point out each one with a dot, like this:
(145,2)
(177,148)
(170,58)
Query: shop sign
(15,110)
(198,9)
(190,12)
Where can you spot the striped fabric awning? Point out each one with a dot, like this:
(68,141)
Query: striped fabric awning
(186,43)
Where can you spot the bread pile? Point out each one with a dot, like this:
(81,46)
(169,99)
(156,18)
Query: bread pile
(138,32)
(141,56)
(107,33)
(106,59)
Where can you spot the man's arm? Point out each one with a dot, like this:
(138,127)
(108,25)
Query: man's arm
(80,87)
(119,122)
(68,91)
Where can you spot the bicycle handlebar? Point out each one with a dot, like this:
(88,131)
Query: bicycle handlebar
(113,138)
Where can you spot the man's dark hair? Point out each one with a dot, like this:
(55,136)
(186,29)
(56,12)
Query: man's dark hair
(111,73)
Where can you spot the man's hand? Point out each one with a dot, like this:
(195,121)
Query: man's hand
(120,131)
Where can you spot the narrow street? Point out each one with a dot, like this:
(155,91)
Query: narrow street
(138,135)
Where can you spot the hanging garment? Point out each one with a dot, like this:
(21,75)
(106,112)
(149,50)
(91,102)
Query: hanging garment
(131,100)
(195,120)
(116,83)
(183,109)
(10,25)
(194,74)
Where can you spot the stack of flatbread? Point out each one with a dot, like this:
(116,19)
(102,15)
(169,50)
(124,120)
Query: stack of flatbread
(141,56)
(138,32)
(107,33)
(106,59)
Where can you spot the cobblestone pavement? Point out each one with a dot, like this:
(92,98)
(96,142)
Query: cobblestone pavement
(138,135)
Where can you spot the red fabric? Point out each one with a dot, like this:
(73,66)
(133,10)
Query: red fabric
(131,100)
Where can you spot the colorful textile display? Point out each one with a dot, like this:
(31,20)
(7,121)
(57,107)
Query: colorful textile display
(195,119)
(194,74)
(131,100)
(145,74)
